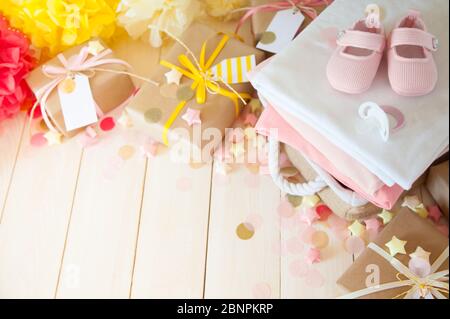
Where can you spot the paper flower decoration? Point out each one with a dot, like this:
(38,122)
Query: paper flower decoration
(174,16)
(56,25)
(15,63)
(225,9)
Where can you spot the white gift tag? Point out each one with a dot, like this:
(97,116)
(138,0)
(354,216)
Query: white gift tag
(77,103)
(281,30)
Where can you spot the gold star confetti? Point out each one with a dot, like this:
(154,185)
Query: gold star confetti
(411,202)
(53,138)
(421,253)
(356,228)
(396,246)
(310,201)
(255,105)
(386,216)
(95,47)
(173,76)
(421,211)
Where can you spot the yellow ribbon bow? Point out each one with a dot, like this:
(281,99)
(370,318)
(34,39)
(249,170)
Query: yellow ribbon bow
(203,81)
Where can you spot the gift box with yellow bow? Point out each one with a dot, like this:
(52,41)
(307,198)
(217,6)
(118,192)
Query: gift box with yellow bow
(409,259)
(109,82)
(203,86)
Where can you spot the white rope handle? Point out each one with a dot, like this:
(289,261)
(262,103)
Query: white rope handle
(297,189)
(305,189)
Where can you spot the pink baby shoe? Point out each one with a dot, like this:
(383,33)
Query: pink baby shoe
(411,67)
(355,62)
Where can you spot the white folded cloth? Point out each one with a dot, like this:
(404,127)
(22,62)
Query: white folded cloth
(296,80)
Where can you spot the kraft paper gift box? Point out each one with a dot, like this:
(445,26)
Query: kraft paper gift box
(437,184)
(406,226)
(109,89)
(154,106)
(328,196)
(261,20)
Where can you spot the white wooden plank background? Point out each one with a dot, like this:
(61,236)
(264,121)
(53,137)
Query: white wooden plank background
(69,231)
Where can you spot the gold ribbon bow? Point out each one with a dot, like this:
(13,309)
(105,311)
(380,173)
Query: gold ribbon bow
(434,284)
(203,81)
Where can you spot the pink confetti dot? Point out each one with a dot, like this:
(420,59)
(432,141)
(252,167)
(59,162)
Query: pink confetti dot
(336,222)
(298,268)
(38,140)
(285,209)
(314,278)
(354,245)
(184,184)
(294,246)
(262,291)
(107,124)
(307,234)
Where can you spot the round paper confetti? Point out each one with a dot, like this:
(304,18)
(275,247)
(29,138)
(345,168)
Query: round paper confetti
(67,85)
(268,37)
(336,222)
(294,200)
(184,184)
(153,115)
(319,239)
(306,235)
(314,278)
(354,245)
(38,140)
(245,231)
(262,291)
(107,123)
(168,90)
(126,152)
(298,268)
(294,246)
(185,93)
(285,210)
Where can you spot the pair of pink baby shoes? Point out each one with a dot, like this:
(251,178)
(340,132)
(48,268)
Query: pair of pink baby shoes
(411,67)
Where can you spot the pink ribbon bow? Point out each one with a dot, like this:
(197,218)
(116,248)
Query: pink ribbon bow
(307,7)
(78,63)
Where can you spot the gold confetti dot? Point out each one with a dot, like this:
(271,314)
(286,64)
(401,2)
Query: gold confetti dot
(126,152)
(168,90)
(67,85)
(153,115)
(294,200)
(268,37)
(185,93)
(245,231)
(319,239)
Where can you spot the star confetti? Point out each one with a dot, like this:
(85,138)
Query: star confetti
(411,202)
(310,201)
(421,211)
(95,47)
(356,228)
(53,138)
(192,117)
(386,216)
(396,246)
(173,76)
(421,253)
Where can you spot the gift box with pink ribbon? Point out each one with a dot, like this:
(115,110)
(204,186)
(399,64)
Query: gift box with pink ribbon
(79,87)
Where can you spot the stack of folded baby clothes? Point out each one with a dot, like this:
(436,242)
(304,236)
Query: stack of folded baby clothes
(373,111)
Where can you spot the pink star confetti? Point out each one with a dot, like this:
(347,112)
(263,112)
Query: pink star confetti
(313,256)
(434,213)
(372,224)
(192,116)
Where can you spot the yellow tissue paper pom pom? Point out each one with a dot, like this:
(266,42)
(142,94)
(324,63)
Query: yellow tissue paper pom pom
(56,25)
(144,18)
(225,9)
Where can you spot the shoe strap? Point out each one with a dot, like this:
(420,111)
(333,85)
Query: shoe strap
(364,40)
(413,36)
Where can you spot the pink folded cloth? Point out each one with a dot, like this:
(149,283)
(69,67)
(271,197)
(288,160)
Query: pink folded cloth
(385,197)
